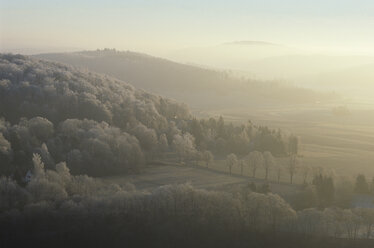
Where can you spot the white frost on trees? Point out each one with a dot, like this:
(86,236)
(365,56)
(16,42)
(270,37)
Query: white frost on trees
(269,162)
(255,160)
(184,145)
(231,161)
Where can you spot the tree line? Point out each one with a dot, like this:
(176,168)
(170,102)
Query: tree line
(75,203)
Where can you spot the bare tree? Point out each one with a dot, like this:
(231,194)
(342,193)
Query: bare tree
(352,223)
(256,160)
(292,167)
(231,161)
(241,164)
(305,171)
(310,221)
(279,170)
(317,170)
(269,162)
(367,216)
(207,157)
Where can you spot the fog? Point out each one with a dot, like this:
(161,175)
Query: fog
(186,124)
(319,69)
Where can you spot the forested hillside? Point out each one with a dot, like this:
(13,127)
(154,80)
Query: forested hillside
(100,125)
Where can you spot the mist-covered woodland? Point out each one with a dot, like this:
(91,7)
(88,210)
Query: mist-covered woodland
(100,125)
(186,124)
(62,129)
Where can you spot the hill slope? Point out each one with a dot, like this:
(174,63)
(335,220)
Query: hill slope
(100,125)
(96,123)
(200,88)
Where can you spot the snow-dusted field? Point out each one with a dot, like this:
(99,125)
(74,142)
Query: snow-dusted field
(344,144)
(198,176)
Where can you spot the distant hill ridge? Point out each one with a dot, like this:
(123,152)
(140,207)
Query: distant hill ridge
(251,43)
(198,87)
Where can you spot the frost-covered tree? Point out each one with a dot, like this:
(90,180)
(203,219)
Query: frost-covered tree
(292,167)
(208,158)
(184,145)
(279,170)
(241,163)
(5,147)
(231,161)
(100,125)
(147,137)
(266,211)
(305,172)
(256,160)
(269,162)
(367,217)
(311,221)
(352,223)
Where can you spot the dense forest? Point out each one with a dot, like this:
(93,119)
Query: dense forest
(100,125)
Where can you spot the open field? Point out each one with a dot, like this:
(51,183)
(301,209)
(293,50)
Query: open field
(343,144)
(200,177)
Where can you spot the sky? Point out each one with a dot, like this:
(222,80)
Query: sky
(156,26)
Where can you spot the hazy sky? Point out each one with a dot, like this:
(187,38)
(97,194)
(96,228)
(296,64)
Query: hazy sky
(160,25)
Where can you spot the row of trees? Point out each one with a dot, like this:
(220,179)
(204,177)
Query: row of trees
(323,192)
(58,193)
(224,138)
(266,161)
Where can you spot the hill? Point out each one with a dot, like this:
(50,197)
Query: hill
(250,43)
(100,125)
(199,87)
(96,123)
